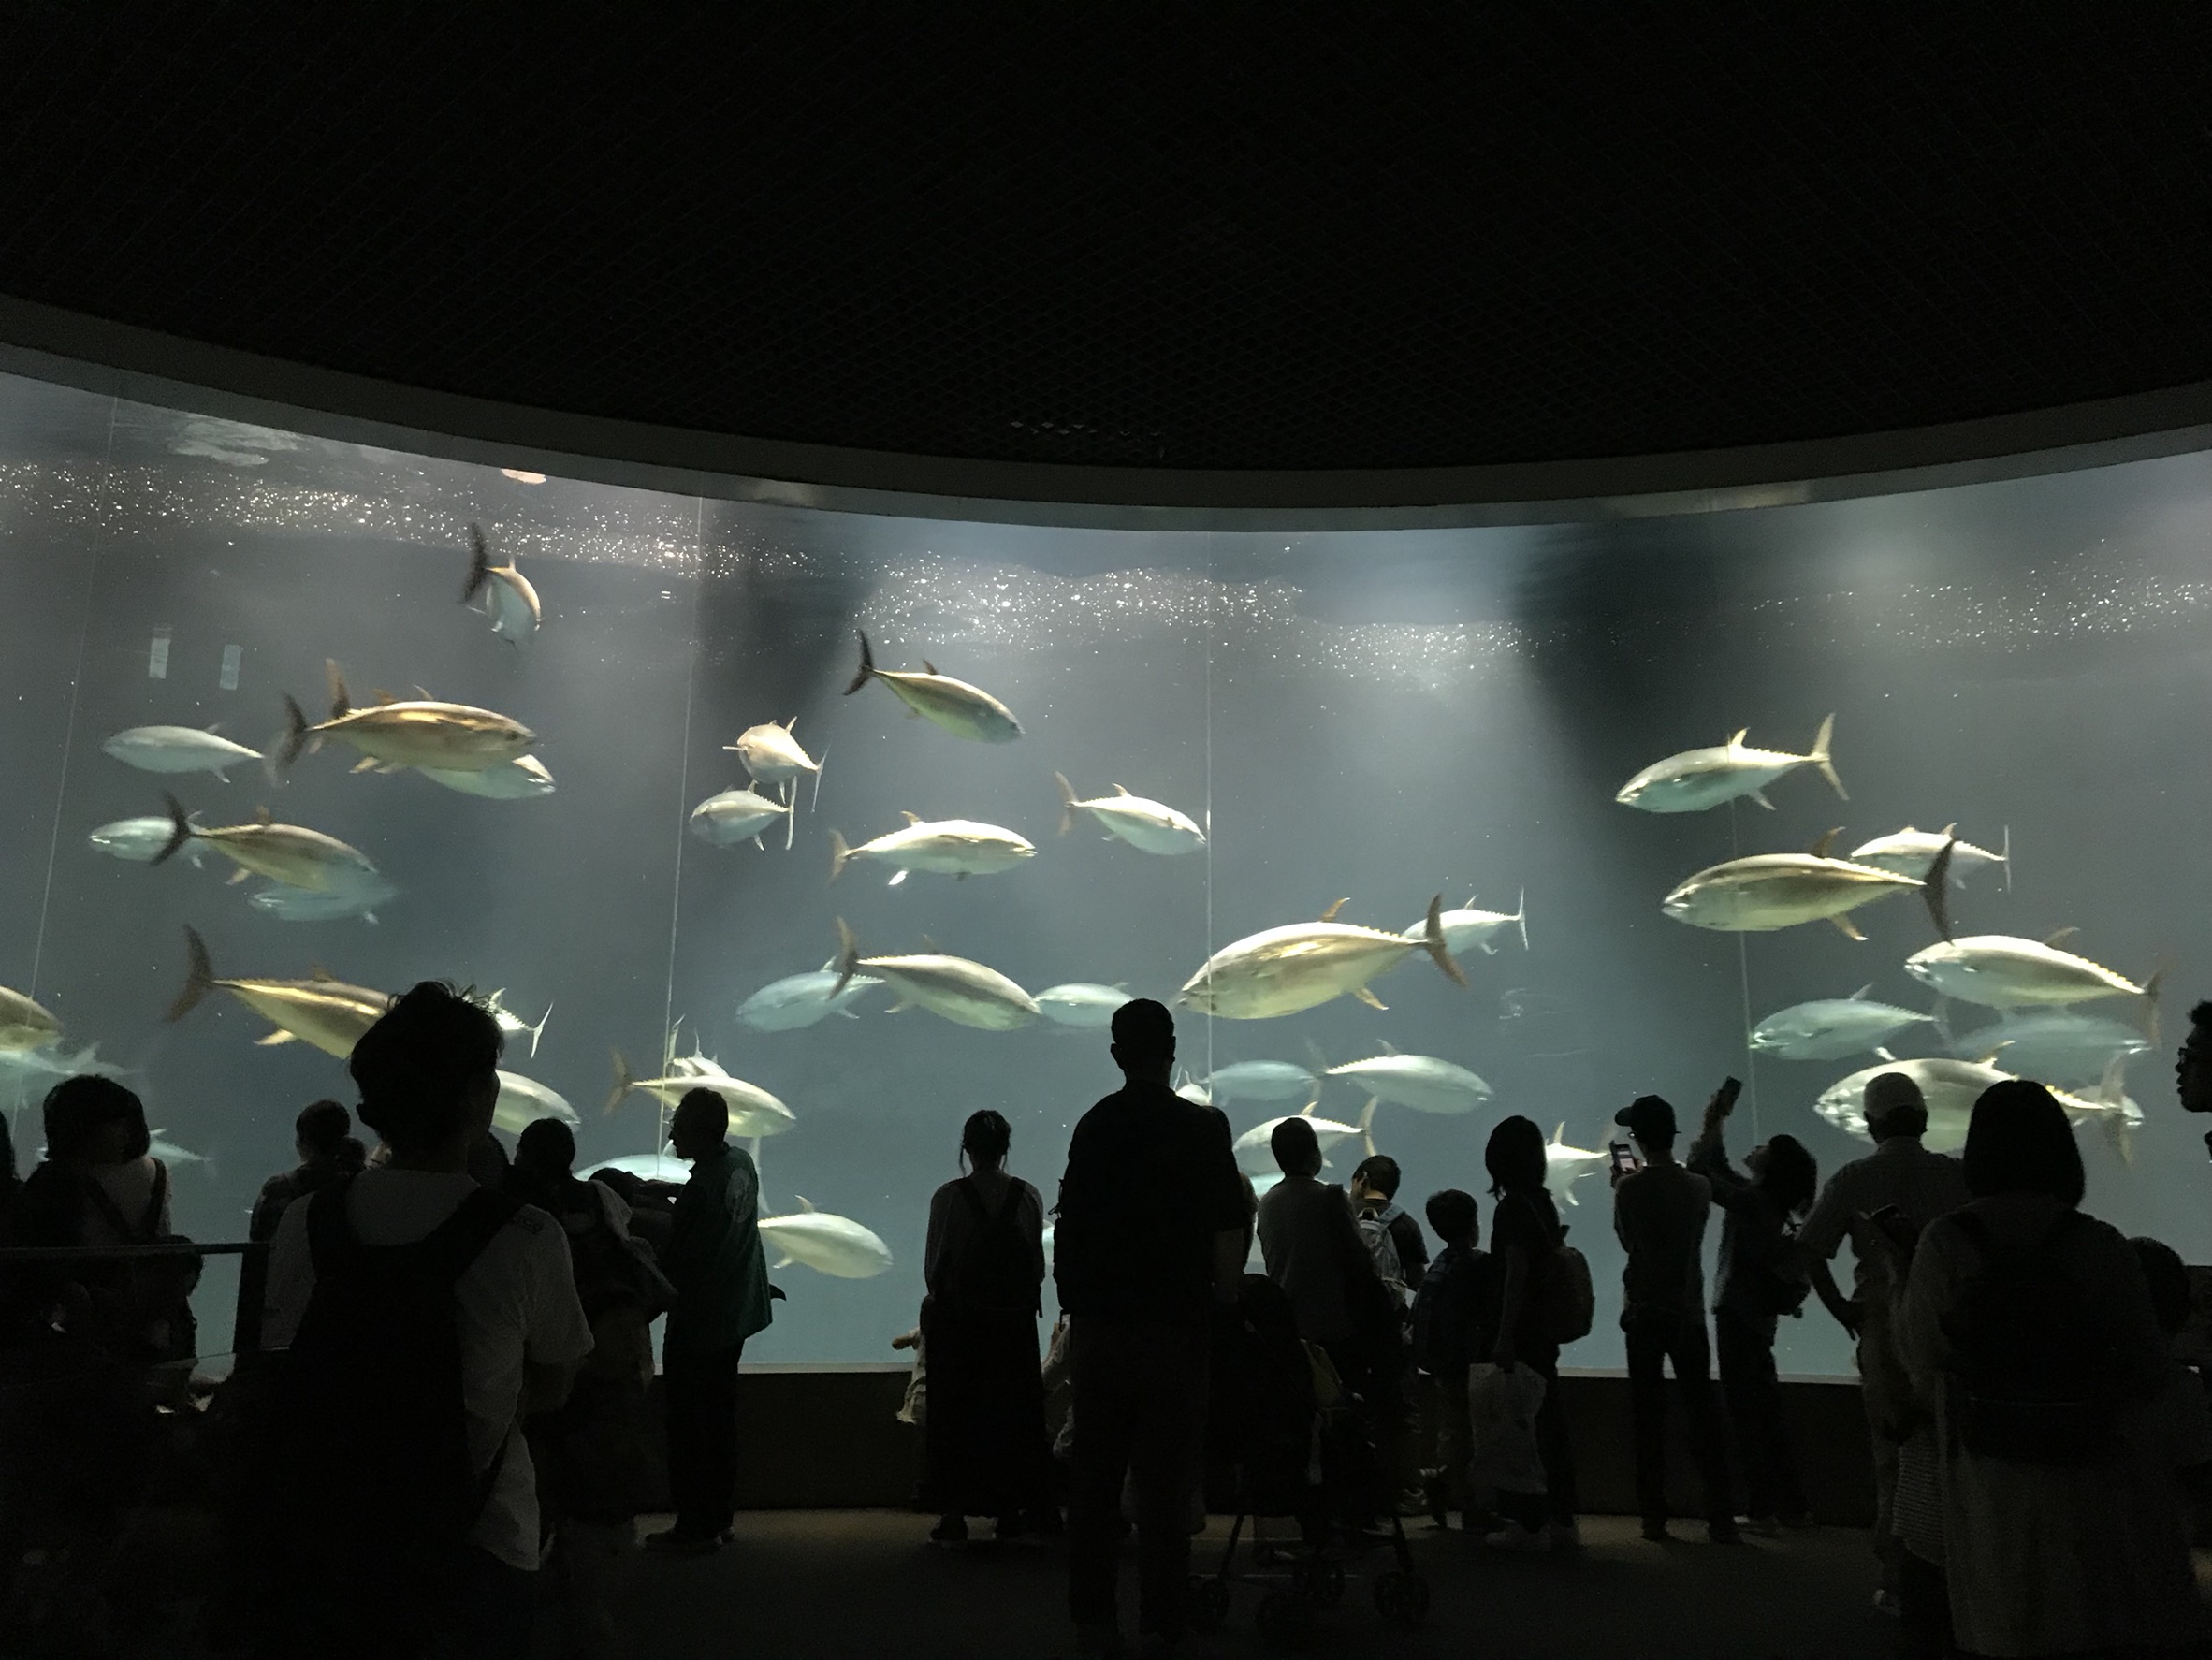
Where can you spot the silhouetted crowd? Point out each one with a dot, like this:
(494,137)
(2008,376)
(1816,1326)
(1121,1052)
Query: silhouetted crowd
(442,1424)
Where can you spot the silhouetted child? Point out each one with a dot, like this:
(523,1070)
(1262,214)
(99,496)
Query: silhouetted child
(2176,1429)
(1449,1312)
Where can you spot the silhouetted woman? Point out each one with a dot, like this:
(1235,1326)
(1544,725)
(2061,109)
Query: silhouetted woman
(1755,1283)
(2029,1333)
(984,1447)
(1525,1236)
(323,1137)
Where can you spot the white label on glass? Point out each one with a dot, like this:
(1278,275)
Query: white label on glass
(157,658)
(232,656)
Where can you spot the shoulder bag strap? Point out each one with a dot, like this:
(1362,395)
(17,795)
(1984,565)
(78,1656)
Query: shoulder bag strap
(111,1213)
(156,1200)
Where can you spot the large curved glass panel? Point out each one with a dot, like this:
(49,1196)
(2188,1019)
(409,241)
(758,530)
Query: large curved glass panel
(1381,718)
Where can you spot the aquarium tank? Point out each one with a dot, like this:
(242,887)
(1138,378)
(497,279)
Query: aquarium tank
(1561,737)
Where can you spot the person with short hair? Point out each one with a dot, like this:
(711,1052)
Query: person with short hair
(371,1568)
(1525,1237)
(1374,1191)
(1754,1282)
(1313,1250)
(1659,1211)
(984,1450)
(715,1261)
(323,1137)
(1449,1333)
(1150,1242)
(2028,1330)
(1900,1175)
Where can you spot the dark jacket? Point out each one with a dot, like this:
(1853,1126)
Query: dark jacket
(713,1257)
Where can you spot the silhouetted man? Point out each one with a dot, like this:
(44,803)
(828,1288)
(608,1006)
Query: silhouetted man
(1151,1235)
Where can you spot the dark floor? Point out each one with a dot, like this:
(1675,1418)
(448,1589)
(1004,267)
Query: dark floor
(798,1584)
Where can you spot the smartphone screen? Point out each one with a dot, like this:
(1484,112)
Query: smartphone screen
(1730,1089)
(1624,1158)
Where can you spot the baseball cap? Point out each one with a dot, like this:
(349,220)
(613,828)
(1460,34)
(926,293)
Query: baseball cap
(1649,1118)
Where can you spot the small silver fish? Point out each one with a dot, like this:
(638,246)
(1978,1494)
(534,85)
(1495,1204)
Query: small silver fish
(179,749)
(963,710)
(953,847)
(509,600)
(1699,779)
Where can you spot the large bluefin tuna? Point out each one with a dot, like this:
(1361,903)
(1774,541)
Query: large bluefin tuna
(509,600)
(800,1000)
(963,710)
(179,749)
(1910,851)
(323,1010)
(522,1101)
(1080,1005)
(950,847)
(1255,1148)
(523,779)
(770,756)
(24,1024)
(2054,1045)
(356,897)
(1699,779)
(831,1245)
(1471,928)
(1150,826)
(954,988)
(1283,971)
(1770,891)
(1262,1080)
(753,1112)
(739,815)
(1950,1088)
(1829,1028)
(1421,1082)
(395,734)
(2004,971)
(291,854)
(141,840)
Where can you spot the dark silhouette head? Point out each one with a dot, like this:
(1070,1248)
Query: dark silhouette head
(984,1139)
(1378,1172)
(2167,1281)
(2192,1067)
(1893,1105)
(93,1120)
(546,1148)
(1514,1156)
(1788,1175)
(320,1126)
(1144,1040)
(1650,1121)
(699,1124)
(429,1071)
(1454,1216)
(1297,1149)
(2020,1142)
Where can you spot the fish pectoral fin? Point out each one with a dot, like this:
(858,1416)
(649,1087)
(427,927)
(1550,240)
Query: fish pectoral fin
(274,1039)
(1370,998)
(388,768)
(367,764)
(1760,797)
(898,877)
(1883,1056)
(237,876)
(1848,928)
(783,1262)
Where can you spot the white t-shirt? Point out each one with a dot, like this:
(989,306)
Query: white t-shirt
(518,1302)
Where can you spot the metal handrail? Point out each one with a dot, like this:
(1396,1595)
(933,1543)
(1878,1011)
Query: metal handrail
(253,1254)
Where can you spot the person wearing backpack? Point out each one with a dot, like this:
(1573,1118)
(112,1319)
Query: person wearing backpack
(1659,1215)
(1534,1281)
(984,1450)
(412,1319)
(1761,1276)
(2027,1327)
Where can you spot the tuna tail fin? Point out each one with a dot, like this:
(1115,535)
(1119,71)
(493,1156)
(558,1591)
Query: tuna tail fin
(624,1082)
(848,957)
(538,1030)
(1067,802)
(479,564)
(1935,888)
(288,745)
(180,830)
(1520,921)
(790,824)
(1819,756)
(2005,858)
(839,853)
(1433,941)
(868,665)
(2150,1002)
(815,800)
(341,703)
(199,975)
(1367,1124)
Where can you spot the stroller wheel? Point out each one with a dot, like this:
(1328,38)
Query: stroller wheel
(1320,1582)
(1285,1621)
(1402,1599)
(1209,1602)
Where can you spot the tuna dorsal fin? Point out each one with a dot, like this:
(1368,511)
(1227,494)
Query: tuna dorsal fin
(1330,915)
(2059,938)
(912,818)
(1121,789)
(1559,1133)
(805,1203)
(263,816)
(1387,1047)
(1990,1059)
(1826,839)
(426,693)
(1947,832)
(382,696)
(929,667)
(929,944)
(1859,996)
(316,971)
(1308,1111)
(1741,733)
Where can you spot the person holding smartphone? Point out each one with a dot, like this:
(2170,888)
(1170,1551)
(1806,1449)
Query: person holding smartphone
(1659,1211)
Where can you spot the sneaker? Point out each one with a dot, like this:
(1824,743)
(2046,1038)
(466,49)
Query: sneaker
(1885,1602)
(952,1530)
(1513,1537)
(674,1541)
(1723,1530)
(1761,1527)
(1655,1530)
(1565,1536)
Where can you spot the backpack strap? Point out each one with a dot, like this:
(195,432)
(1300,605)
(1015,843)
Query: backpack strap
(111,1213)
(461,1238)
(331,1242)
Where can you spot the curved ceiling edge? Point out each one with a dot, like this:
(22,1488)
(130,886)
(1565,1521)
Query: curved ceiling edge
(45,342)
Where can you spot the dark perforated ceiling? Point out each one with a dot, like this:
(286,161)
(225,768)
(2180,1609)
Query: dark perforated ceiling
(1191,235)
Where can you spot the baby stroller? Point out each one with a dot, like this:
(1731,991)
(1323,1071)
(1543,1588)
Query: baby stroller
(1285,1440)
